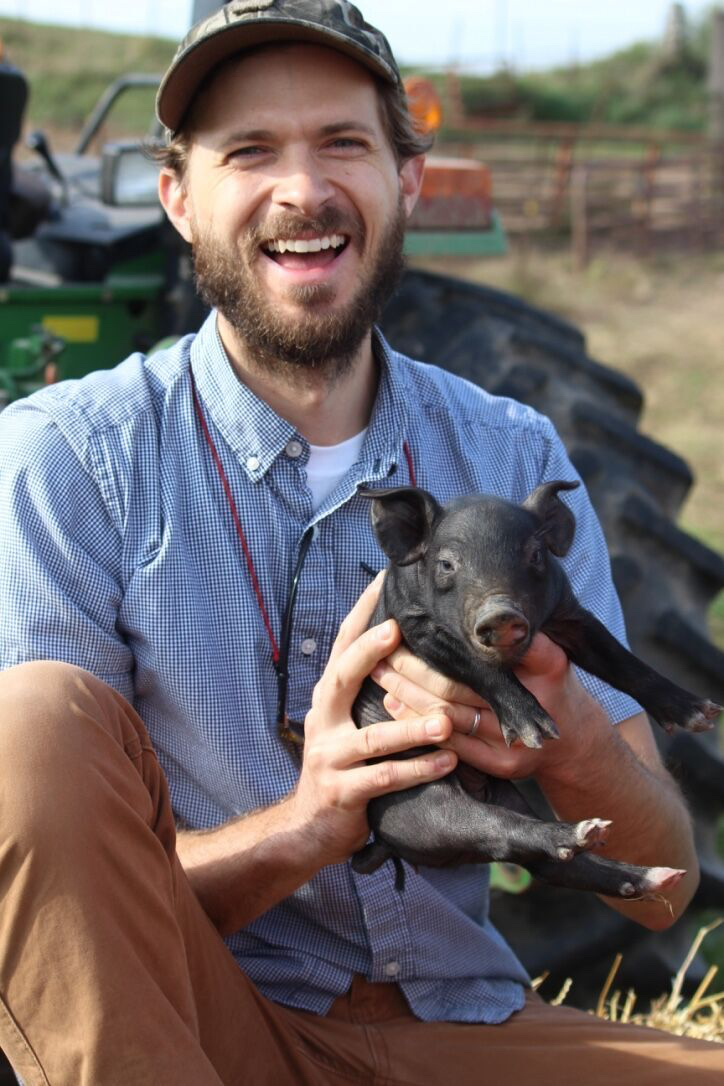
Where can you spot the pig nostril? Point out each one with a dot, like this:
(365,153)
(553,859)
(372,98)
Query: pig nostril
(504,629)
(484,633)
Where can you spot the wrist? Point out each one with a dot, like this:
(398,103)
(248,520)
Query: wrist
(587,736)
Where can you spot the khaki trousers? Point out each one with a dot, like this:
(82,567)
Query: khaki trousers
(111,974)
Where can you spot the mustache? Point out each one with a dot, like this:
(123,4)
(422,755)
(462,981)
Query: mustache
(288,225)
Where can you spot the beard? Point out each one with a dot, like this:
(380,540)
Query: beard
(316,340)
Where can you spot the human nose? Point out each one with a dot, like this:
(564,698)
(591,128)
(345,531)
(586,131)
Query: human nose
(303,186)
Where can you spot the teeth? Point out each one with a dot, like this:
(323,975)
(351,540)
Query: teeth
(307,245)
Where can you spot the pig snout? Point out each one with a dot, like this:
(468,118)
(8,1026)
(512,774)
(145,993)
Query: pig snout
(500,625)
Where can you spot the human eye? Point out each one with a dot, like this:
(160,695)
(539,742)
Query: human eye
(348,144)
(247,153)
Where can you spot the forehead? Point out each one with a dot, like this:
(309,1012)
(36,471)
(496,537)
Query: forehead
(274,83)
(483,519)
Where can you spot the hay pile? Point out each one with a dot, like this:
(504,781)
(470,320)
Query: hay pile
(702,1016)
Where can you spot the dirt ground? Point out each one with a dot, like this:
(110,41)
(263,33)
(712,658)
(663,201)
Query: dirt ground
(662,323)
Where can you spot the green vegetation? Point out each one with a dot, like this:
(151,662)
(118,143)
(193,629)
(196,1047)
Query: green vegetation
(68,69)
(634,86)
(637,85)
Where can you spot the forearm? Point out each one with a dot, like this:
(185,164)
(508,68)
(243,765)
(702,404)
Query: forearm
(650,822)
(245,867)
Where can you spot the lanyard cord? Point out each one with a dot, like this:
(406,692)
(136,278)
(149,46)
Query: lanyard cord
(280,657)
(237,522)
(282,664)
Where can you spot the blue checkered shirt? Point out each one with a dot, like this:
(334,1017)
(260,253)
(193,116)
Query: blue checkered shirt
(120,555)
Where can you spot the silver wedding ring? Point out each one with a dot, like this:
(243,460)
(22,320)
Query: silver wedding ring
(476,723)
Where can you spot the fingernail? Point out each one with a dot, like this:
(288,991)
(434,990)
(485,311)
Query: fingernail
(444,761)
(377,672)
(385,631)
(392,704)
(434,728)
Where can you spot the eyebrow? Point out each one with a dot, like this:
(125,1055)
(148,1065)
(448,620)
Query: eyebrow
(262,135)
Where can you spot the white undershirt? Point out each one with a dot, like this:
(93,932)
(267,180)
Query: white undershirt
(328,463)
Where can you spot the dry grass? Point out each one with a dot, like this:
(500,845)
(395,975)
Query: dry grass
(660,321)
(702,1016)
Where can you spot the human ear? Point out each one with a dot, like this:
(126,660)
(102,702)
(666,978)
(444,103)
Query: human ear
(411,173)
(174,199)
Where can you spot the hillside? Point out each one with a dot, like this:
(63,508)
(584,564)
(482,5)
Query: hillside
(69,68)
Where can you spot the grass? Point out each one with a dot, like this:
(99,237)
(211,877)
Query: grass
(68,69)
(702,1016)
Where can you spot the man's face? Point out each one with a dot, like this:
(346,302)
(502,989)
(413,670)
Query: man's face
(294,203)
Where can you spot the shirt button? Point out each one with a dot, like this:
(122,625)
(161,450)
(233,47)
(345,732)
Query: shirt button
(252,463)
(392,969)
(294,449)
(309,646)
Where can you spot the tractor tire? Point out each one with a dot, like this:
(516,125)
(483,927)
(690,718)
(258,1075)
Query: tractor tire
(665,578)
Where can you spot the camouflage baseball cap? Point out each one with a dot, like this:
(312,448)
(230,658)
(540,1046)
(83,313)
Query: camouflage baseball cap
(242,24)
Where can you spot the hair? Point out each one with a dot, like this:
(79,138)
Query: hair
(406,140)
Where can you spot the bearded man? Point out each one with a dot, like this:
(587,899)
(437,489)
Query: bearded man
(182,540)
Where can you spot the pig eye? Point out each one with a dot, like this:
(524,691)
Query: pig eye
(445,569)
(536,558)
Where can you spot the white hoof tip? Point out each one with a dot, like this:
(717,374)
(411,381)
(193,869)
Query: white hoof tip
(594,831)
(663,878)
(565,853)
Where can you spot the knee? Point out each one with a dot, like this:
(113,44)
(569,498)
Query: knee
(50,713)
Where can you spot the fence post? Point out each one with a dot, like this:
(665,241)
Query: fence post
(716,114)
(579,218)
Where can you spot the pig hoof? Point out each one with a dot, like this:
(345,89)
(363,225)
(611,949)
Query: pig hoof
(703,717)
(528,736)
(627,889)
(548,728)
(565,853)
(593,832)
(662,878)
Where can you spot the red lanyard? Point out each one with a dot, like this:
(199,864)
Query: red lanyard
(279,659)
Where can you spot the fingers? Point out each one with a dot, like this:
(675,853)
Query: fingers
(391,737)
(409,667)
(358,618)
(511,763)
(406,695)
(344,674)
(543,658)
(395,776)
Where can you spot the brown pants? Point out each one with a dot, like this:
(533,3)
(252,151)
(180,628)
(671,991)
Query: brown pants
(112,975)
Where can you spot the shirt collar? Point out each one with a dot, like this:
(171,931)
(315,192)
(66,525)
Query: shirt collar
(258,435)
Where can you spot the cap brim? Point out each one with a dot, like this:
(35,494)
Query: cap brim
(184,78)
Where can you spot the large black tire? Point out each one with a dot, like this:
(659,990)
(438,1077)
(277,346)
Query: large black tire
(665,578)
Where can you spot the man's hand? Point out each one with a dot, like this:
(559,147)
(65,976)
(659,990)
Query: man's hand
(414,688)
(336,783)
(243,868)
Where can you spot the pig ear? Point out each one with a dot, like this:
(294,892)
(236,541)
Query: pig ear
(559,524)
(403,519)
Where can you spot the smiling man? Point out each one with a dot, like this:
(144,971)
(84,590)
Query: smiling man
(182,540)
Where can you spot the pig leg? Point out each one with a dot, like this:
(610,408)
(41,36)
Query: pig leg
(589,644)
(584,871)
(519,714)
(608,877)
(441,824)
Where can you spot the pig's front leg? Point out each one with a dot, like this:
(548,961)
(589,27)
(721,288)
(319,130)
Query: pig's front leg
(519,714)
(590,645)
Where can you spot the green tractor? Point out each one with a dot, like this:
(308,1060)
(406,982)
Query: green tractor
(90,272)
